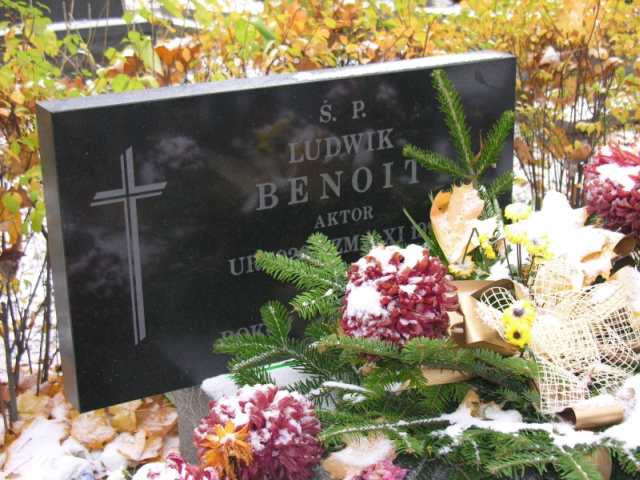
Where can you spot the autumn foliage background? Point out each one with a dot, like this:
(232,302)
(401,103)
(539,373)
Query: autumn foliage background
(578,86)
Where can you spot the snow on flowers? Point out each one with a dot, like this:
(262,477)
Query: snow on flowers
(262,432)
(395,294)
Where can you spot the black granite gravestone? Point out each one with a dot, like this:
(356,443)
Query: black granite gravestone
(158,200)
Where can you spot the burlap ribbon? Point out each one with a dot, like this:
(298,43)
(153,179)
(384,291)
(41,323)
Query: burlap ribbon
(583,339)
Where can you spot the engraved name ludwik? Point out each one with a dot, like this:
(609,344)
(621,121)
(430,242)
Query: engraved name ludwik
(129,193)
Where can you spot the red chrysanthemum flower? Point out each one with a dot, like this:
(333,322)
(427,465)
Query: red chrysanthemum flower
(384,470)
(612,187)
(282,428)
(396,294)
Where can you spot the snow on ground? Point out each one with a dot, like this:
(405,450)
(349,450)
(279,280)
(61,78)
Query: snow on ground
(29,270)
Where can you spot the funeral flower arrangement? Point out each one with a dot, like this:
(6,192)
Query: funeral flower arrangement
(502,346)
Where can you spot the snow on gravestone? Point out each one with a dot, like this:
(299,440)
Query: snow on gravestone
(158,200)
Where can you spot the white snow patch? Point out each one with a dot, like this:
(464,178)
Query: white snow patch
(409,289)
(345,386)
(562,434)
(619,175)
(363,452)
(156,471)
(41,438)
(364,301)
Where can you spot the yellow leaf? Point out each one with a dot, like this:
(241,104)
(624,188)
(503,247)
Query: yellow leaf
(92,429)
(124,416)
(31,405)
(17,97)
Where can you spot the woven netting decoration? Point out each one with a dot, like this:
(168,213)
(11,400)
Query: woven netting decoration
(583,338)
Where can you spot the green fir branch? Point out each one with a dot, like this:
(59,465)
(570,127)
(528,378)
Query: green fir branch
(510,365)
(294,271)
(368,428)
(252,376)
(435,162)
(276,320)
(370,240)
(573,465)
(500,185)
(360,346)
(494,142)
(244,346)
(323,253)
(317,302)
(443,398)
(454,117)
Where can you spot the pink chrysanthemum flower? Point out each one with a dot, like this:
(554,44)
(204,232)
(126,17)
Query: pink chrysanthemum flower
(282,430)
(384,470)
(612,187)
(395,294)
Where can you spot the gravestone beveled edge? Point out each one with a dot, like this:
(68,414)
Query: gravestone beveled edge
(268,81)
(57,256)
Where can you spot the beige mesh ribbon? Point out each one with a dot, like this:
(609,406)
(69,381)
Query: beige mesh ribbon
(583,339)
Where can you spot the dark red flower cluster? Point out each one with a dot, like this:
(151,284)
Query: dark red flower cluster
(396,294)
(282,427)
(612,187)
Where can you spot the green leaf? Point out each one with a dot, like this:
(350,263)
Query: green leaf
(120,82)
(451,107)
(173,7)
(12,201)
(264,31)
(37,217)
(128,16)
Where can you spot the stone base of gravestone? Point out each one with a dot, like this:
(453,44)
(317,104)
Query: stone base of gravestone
(191,404)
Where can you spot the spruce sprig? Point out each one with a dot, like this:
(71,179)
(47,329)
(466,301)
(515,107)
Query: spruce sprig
(318,271)
(451,106)
(467,167)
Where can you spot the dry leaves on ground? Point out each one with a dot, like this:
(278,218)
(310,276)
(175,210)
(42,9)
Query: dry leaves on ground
(138,431)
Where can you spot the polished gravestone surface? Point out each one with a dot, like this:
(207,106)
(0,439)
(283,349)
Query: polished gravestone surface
(158,200)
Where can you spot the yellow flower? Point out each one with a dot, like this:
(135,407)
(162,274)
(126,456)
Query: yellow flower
(522,310)
(487,248)
(539,247)
(515,235)
(517,212)
(518,333)
(489,252)
(225,447)
(462,270)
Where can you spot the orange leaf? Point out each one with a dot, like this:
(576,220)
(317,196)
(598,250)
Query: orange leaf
(157,419)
